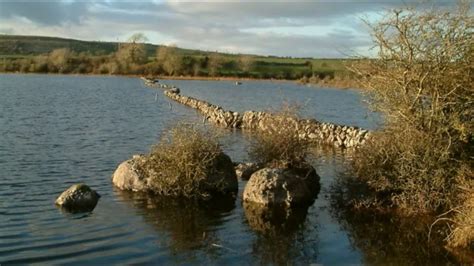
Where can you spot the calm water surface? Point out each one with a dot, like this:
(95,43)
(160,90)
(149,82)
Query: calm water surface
(60,130)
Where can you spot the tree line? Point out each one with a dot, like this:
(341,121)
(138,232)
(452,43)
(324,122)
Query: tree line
(133,58)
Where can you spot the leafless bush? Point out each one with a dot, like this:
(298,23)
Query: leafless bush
(422,82)
(280,142)
(183,161)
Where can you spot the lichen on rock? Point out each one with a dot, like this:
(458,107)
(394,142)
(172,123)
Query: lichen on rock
(282,186)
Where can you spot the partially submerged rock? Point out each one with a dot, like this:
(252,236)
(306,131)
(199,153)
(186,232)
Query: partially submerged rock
(282,186)
(128,177)
(174,90)
(78,198)
(245,170)
(223,178)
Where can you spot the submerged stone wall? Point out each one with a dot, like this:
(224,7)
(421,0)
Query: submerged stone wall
(325,133)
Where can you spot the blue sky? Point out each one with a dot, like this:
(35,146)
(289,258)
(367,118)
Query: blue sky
(327,29)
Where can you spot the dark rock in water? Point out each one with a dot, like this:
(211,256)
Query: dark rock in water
(175,90)
(128,177)
(223,177)
(78,198)
(245,170)
(282,186)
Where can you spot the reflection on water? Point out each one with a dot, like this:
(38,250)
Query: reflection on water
(389,238)
(280,233)
(276,221)
(188,224)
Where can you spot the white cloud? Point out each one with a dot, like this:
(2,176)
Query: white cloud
(316,28)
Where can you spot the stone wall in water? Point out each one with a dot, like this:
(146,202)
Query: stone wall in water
(318,132)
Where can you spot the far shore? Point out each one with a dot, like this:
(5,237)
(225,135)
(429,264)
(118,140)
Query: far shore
(160,77)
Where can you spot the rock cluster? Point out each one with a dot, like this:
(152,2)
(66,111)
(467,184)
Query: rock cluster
(154,83)
(315,131)
(213,113)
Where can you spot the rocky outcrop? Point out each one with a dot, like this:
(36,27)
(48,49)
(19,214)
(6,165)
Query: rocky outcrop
(129,177)
(282,187)
(78,198)
(245,170)
(310,129)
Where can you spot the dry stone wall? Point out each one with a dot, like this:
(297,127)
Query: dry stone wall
(315,131)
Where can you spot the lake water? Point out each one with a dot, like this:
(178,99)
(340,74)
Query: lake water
(59,130)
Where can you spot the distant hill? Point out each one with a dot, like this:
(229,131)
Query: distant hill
(35,45)
(20,53)
(15,45)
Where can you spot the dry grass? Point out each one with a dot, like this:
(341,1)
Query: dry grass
(410,170)
(462,234)
(182,162)
(280,142)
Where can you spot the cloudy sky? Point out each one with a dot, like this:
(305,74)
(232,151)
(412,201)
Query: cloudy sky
(286,28)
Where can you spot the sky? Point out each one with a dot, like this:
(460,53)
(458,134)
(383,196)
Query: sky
(321,29)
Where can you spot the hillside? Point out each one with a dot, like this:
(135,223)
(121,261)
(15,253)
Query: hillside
(19,45)
(23,54)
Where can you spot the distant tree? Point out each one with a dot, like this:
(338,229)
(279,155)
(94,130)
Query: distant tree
(216,61)
(59,59)
(133,51)
(170,60)
(246,63)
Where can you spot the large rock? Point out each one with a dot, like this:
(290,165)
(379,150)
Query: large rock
(222,177)
(128,177)
(282,186)
(77,198)
(245,170)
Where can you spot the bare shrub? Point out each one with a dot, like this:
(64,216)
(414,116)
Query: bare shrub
(183,160)
(422,83)
(280,142)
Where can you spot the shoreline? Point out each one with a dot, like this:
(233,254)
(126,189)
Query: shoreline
(311,85)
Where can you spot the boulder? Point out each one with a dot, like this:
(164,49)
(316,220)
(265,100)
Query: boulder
(245,170)
(78,198)
(222,177)
(128,177)
(282,186)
